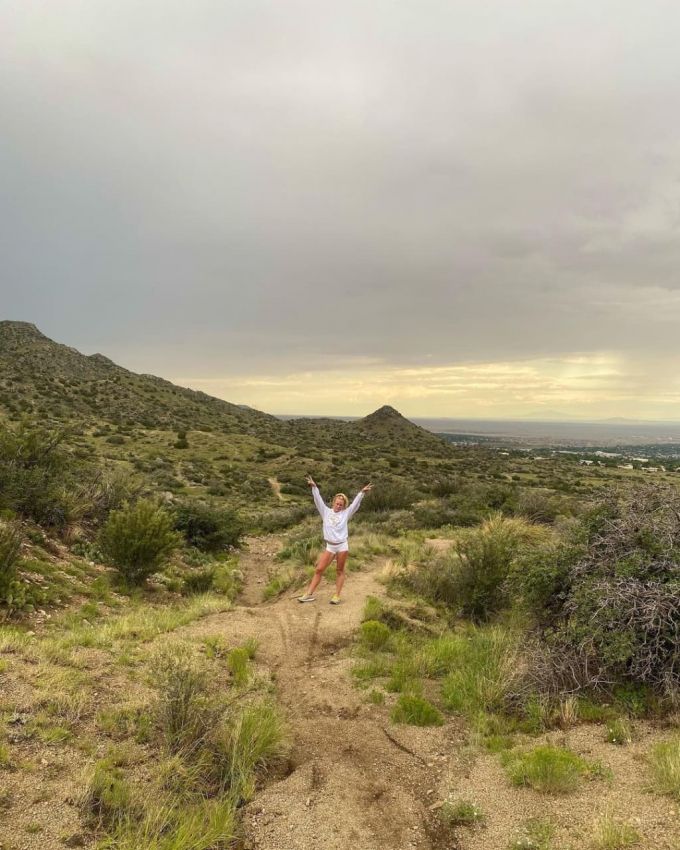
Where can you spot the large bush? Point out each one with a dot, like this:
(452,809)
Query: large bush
(138,539)
(485,558)
(33,468)
(614,603)
(208,527)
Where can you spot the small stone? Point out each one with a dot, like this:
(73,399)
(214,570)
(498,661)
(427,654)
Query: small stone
(75,840)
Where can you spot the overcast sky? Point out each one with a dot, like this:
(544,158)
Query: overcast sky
(459,208)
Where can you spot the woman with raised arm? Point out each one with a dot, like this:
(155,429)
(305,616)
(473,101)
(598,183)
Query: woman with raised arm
(335,535)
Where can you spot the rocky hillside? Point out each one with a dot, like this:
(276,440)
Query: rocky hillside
(56,383)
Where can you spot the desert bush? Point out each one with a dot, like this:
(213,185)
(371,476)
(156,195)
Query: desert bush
(198,581)
(388,497)
(138,539)
(281,518)
(208,527)
(302,550)
(34,473)
(538,505)
(471,576)
(613,606)
(485,558)
(10,544)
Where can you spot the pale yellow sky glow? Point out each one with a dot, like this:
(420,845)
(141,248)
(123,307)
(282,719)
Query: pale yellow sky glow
(581,386)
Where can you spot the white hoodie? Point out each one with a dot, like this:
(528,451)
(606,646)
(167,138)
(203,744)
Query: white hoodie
(335,522)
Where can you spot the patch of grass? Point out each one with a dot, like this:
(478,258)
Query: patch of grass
(133,720)
(416,711)
(107,800)
(665,766)
(535,834)
(376,697)
(237,663)
(619,732)
(215,646)
(183,709)
(253,742)
(374,668)
(404,677)
(34,828)
(282,580)
(201,825)
(12,639)
(5,758)
(374,635)
(612,834)
(485,665)
(551,770)
(143,623)
(461,813)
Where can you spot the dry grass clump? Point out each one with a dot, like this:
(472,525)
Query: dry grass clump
(665,765)
(609,833)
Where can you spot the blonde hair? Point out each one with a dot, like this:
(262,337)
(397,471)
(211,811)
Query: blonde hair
(343,497)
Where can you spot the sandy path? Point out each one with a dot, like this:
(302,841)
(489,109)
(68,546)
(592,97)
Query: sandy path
(354,780)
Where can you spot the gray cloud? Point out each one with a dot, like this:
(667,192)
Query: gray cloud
(215,188)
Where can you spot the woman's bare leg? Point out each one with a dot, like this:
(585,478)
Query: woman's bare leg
(340,571)
(324,560)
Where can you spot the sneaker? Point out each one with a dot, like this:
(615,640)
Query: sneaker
(335,599)
(306,598)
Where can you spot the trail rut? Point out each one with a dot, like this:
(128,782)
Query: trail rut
(350,782)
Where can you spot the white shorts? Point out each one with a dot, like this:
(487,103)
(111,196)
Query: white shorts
(337,547)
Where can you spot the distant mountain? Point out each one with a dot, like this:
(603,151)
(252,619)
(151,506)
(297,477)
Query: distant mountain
(58,383)
(387,425)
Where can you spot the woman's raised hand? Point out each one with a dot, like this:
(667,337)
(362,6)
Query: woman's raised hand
(310,481)
(367,488)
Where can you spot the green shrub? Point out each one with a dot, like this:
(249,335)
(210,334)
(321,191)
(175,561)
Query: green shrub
(138,539)
(374,635)
(665,766)
(199,581)
(10,544)
(552,770)
(208,527)
(485,557)
(416,711)
(388,497)
(36,475)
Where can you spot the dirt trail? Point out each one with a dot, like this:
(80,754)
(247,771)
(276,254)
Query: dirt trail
(353,781)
